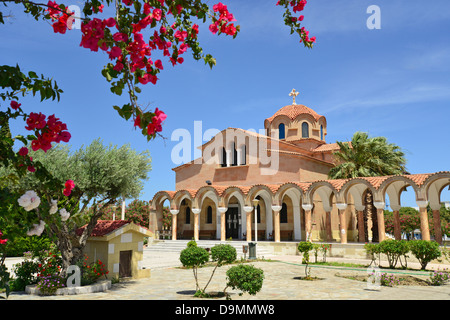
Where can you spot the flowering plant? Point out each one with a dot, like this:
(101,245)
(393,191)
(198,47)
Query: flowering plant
(49,263)
(387,280)
(438,278)
(324,248)
(48,285)
(92,272)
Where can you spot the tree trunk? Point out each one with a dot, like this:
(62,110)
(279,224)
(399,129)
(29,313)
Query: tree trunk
(371,211)
(70,244)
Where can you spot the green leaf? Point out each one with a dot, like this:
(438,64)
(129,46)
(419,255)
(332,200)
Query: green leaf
(32,74)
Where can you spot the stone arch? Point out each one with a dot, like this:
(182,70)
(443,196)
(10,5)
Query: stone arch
(156,210)
(265,193)
(434,186)
(356,188)
(203,194)
(295,194)
(393,179)
(325,190)
(159,197)
(180,195)
(206,191)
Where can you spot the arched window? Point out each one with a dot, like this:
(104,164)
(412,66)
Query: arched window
(224,158)
(305,130)
(321,132)
(243,155)
(188,216)
(234,155)
(209,215)
(283,214)
(281,131)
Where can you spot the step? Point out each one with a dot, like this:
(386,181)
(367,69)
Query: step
(179,245)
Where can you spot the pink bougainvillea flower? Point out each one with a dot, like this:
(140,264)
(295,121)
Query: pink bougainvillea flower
(159,64)
(115,52)
(137,122)
(69,184)
(15,105)
(110,22)
(157,14)
(35,121)
(23,151)
(160,115)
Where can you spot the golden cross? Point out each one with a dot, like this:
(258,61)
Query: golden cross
(293,94)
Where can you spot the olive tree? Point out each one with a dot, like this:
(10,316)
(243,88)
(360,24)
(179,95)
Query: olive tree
(100,174)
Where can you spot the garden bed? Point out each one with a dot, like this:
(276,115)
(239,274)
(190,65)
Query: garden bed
(403,280)
(99,286)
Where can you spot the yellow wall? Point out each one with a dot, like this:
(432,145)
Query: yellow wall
(109,252)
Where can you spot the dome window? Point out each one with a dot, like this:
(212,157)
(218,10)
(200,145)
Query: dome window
(305,130)
(281,131)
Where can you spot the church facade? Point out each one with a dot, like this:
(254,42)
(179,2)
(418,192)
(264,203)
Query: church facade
(274,186)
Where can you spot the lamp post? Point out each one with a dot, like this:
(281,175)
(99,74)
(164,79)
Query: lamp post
(255,204)
(252,245)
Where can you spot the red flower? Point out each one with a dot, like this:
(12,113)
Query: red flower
(15,105)
(23,151)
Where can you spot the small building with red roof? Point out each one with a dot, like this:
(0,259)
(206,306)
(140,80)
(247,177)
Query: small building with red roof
(119,244)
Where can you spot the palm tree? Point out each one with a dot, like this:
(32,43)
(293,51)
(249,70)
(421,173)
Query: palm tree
(368,156)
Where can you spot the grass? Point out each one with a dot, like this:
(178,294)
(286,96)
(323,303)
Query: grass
(340,264)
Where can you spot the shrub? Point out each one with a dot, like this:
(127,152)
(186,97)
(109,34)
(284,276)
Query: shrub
(304,248)
(48,285)
(372,249)
(425,251)
(389,280)
(90,273)
(315,248)
(25,275)
(438,278)
(192,243)
(246,278)
(20,245)
(48,263)
(393,249)
(194,257)
(223,253)
(324,248)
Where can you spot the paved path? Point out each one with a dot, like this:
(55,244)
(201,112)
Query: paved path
(168,282)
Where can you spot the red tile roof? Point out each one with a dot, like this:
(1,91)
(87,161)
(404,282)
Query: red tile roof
(104,227)
(293,111)
(337,184)
(328,147)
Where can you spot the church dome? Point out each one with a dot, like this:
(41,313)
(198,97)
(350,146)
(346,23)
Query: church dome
(293,111)
(296,122)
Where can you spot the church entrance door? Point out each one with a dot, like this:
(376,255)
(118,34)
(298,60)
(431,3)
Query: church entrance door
(232,223)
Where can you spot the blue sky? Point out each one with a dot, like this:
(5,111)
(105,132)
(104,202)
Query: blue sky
(391,82)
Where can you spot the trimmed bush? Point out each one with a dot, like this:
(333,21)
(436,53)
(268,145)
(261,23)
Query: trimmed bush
(425,251)
(393,249)
(223,253)
(246,278)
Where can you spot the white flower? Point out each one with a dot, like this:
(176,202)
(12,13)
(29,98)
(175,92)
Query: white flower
(54,207)
(37,229)
(29,200)
(64,214)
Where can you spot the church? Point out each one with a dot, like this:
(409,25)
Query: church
(274,186)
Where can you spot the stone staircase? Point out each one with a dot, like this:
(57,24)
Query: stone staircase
(176,246)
